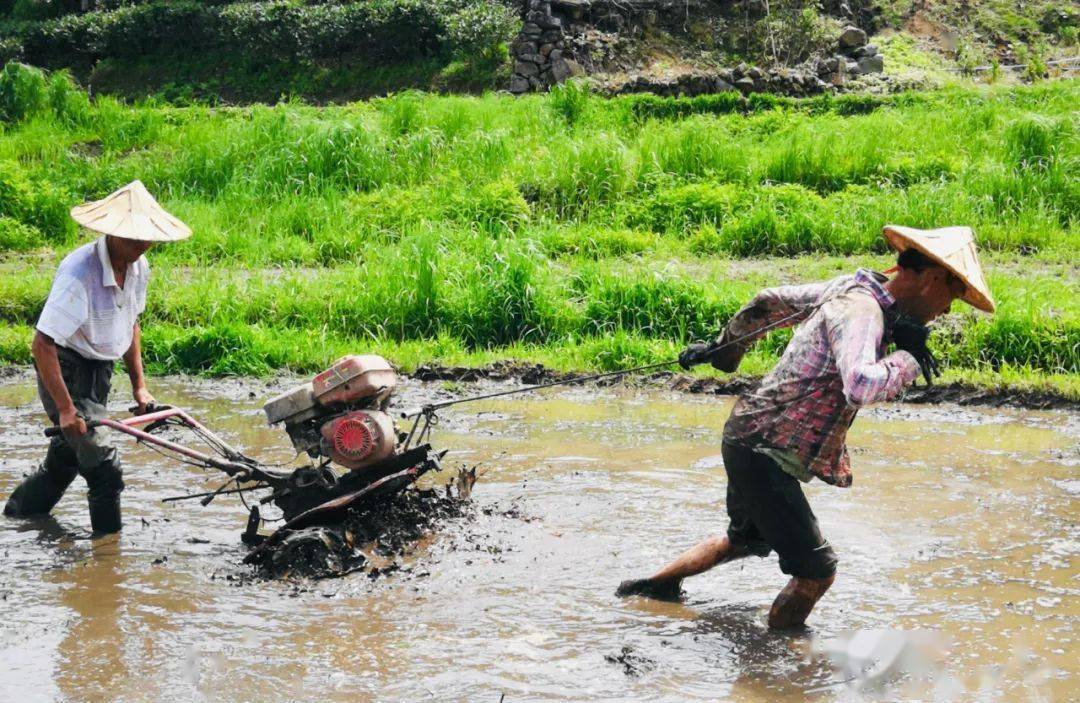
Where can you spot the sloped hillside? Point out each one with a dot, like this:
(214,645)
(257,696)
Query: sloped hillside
(325,50)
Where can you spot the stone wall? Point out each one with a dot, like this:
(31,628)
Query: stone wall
(564,38)
(540,52)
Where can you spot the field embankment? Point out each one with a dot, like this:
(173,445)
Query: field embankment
(563,229)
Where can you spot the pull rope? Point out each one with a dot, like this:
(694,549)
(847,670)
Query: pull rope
(431,408)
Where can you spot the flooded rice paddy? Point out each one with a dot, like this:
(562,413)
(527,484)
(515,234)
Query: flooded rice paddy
(962,524)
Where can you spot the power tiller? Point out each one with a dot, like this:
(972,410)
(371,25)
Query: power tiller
(338,418)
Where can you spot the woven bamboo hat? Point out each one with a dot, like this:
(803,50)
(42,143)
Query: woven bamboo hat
(953,248)
(131,213)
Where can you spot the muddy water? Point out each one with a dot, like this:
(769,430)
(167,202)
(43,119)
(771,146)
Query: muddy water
(961,522)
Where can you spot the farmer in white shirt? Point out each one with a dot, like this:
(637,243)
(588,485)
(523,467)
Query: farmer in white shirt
(90,320)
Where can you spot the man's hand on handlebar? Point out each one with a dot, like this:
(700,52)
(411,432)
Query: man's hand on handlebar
(71,424)
(144,402)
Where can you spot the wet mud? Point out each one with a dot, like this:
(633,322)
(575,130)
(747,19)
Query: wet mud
(961,523)
(370,541)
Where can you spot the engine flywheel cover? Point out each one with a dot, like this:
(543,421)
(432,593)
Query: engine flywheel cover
(354,438)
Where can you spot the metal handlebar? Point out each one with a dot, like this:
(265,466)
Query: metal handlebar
(55,431)
(91,424)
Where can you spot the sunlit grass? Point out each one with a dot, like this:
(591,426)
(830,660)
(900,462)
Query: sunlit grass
(568,229)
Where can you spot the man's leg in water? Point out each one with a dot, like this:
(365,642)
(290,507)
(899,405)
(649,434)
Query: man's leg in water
(793,605)
(666,582)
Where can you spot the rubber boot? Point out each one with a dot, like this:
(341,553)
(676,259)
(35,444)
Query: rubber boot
(42,490)
(105,482)
(105,516)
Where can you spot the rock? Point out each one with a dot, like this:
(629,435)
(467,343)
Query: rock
(531,29)
(550,36)
(852,37)
(575,67)
(555,54)
(544,21)
(560,70)
(546,49)
(872,64)
(519,84)
(613,20)
(755,74)
(745,84)
(526,68)
(868,50)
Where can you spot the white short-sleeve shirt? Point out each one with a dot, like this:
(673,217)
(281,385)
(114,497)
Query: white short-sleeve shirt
(87,311)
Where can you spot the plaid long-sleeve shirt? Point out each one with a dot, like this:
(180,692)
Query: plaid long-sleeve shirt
(834,364)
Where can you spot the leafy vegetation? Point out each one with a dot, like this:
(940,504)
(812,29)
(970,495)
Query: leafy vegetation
(569,229)
(248,49)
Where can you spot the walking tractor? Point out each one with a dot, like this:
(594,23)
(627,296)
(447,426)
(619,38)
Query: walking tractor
(339,418)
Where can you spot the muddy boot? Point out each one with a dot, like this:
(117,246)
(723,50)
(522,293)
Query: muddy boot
(105,516)
(660,590)
(41,490)
(105,482)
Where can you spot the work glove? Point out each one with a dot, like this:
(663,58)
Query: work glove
(911,336)
(696,353)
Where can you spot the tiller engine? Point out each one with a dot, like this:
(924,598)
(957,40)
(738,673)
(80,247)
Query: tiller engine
(340,417)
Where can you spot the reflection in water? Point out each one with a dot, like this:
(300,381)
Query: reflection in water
(90,659)
(961,522)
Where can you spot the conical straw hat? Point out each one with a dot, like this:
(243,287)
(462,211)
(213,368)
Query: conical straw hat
(131,213)
(953,248)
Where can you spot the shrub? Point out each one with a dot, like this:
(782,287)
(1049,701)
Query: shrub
(682,207)
(569,100)
(782,219)
(597,242)
(576,176)
(505,304)
(223,350)
(695,147)
(11,49)
(67,101)
(23,92)
(660,307)
(39,204)
(479,29)
(15,236)
(383,31)
(495,207)
(645,107)
(1034,142)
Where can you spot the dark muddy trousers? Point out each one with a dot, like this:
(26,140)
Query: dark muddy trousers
(90,456)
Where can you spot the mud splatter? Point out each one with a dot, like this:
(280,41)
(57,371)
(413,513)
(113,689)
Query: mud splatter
(388,530)
(632,662)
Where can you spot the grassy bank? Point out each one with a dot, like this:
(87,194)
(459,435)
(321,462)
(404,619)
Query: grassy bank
(578,232)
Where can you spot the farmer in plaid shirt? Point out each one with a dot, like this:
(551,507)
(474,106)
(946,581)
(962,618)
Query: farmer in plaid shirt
(793,426)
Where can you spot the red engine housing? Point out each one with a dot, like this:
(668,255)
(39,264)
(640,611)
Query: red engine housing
(358,439)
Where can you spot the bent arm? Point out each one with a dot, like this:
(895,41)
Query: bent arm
(855,329)
(134,365)
(43,349)
(771,309)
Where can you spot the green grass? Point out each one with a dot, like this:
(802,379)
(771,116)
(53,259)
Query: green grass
(568,229)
